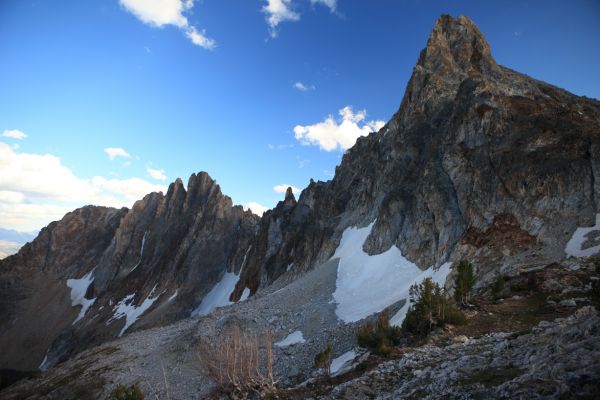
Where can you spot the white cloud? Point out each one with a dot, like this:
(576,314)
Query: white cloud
(303,87)
(200,39)
(279,146)
(157,173)
(159,13)
(332,134)
(114,152)
(256,208)
(283,188)
(8,196)
(14,134)
(331,4)
(37,188)
(277,12)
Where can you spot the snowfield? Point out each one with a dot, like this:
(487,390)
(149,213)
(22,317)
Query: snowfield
(292,338)
(574,246)
(368,284)
(78,289)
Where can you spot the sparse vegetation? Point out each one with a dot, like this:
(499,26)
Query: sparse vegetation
(464,282)
(323,359)
(380,336)
(122,392)
(234,364)
(431,307)
(499,286)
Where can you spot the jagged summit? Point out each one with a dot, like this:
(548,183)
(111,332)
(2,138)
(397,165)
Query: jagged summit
(457,46)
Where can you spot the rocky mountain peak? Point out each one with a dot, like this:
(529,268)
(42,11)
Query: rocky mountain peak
(456,50)
(457,47)
(289,197)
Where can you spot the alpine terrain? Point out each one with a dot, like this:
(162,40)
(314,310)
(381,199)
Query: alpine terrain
(480,166)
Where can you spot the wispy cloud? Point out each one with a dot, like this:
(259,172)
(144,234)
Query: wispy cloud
(157,173)
(283,188)
(114,152)
(159,13)
(332,134)
(279,146)
(303,87)
(278,11)
(331,4)
(14,134)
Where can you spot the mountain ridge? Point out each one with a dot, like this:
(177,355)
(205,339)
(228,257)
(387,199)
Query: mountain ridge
(476,156)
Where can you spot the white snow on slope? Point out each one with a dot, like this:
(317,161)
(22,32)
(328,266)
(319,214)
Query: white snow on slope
(78,289)
(245,294)
(141,251)
(338,364)
(173,295)
(368,284)
(219,294)
(573,248)
(126,309)
(292,338)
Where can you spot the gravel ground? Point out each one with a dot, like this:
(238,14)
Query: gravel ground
(164,360)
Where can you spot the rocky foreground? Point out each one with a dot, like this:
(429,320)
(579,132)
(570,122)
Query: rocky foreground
(557,359)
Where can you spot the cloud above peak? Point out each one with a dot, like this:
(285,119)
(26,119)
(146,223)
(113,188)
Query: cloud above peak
(283,188)
(158,13)
(14,134)
(37,188)
(114,152)
(157,173)
(341,133)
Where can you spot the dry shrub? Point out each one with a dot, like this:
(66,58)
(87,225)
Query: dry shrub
(234,362)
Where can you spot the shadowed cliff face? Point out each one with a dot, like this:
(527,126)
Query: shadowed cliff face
(479,162)
(179,244)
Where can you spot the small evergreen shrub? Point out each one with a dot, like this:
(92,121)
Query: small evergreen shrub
(122,392)
(464,282)
(431,307)
(380,337)
(499,286)
(323,359)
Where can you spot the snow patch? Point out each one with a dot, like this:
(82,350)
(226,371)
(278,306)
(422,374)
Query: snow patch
(173,295)
(78,289)
(574,246)
(44,365)
(292,338)
(141,252)
(220,293)
(126,309)
(245,294)
(341,363)
(289,267)
(368,284)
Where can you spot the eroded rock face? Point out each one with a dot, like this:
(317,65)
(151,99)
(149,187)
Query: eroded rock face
(167,252)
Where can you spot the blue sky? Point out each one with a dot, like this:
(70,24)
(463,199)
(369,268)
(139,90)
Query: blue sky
(257,93)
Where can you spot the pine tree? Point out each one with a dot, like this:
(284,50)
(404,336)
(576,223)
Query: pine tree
(464,282)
